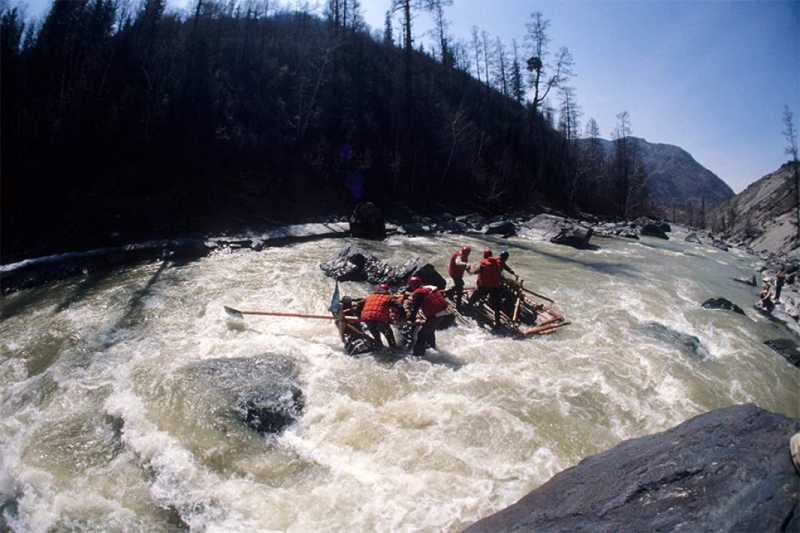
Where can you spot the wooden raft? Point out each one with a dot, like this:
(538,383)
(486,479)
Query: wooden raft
(520,315)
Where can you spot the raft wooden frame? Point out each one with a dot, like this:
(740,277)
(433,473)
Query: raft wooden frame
(547,321)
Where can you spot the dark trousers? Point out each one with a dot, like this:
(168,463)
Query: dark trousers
(382,328)
(426,336)
(494,300)
(458,286)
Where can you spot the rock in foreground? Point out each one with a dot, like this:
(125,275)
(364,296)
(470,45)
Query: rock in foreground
(727,470)
(722,303)
(261,391)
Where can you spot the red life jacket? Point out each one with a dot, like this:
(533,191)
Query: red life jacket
(489,273)
(455,270)
(432,302)
(376,308)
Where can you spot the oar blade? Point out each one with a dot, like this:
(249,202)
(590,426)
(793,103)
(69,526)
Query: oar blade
(233,313)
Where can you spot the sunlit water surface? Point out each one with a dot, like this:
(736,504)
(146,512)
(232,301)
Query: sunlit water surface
(100,430)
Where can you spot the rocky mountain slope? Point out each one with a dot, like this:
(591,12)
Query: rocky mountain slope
(676,177)
(761,218)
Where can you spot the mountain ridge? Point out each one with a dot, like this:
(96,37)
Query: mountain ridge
(675,176)
(761,218)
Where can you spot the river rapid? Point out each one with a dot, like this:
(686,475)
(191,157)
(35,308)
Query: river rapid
(99,430)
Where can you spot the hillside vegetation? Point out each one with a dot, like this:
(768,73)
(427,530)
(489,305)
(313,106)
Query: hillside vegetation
(124,121)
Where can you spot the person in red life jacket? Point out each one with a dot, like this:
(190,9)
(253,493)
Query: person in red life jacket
(380,310)
(489,280)
(458,265)
(434,308)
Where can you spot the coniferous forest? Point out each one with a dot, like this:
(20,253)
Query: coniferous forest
(127,120)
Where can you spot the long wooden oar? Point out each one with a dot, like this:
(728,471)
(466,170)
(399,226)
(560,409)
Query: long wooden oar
(539,295)
(238,313)
(517,284)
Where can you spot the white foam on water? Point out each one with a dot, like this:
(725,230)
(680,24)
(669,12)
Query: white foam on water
(384,444)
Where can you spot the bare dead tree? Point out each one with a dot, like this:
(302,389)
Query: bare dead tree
(569,114)
(458,123)
(476,48)
(568,124)
(544,76)
(501,67)
(406,7)
(516,79)
(440,34)
(487,55)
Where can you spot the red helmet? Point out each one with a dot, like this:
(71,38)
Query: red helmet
(487,253)
(384,286)
(414,282)
(465,251)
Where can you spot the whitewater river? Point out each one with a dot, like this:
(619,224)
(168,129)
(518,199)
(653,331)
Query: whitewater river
(103,429)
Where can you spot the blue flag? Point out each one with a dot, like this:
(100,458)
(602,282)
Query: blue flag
(335,300)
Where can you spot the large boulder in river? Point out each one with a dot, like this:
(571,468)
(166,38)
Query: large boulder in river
(500,227)
(692,237)
(557,230)
(727,470)
(721,244)
(398,277)
(687,344)
(653,230)
(367,222)
(722,303)
(260,391)
(354,263)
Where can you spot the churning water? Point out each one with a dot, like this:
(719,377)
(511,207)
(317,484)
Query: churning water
(102,428)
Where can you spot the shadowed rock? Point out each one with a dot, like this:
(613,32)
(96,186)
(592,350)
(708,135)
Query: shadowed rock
(502,227)
(722,303)
(474,220)
(259,391)
(728,470)
(688,345)
(692,237)
(557,230)
(367,222)
(787,348)
(747,281)
(653,230)
(415,228)
(719,243)
(454,226)
(398,277)
(353,263)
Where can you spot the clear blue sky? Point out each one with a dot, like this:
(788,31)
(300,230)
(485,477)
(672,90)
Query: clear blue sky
(709,76)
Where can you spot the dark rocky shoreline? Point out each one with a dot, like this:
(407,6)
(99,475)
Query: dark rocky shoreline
(109,252)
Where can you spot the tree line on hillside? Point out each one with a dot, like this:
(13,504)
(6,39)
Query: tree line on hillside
(109,103)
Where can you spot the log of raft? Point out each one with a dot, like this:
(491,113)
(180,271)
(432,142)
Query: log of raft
(520,315)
